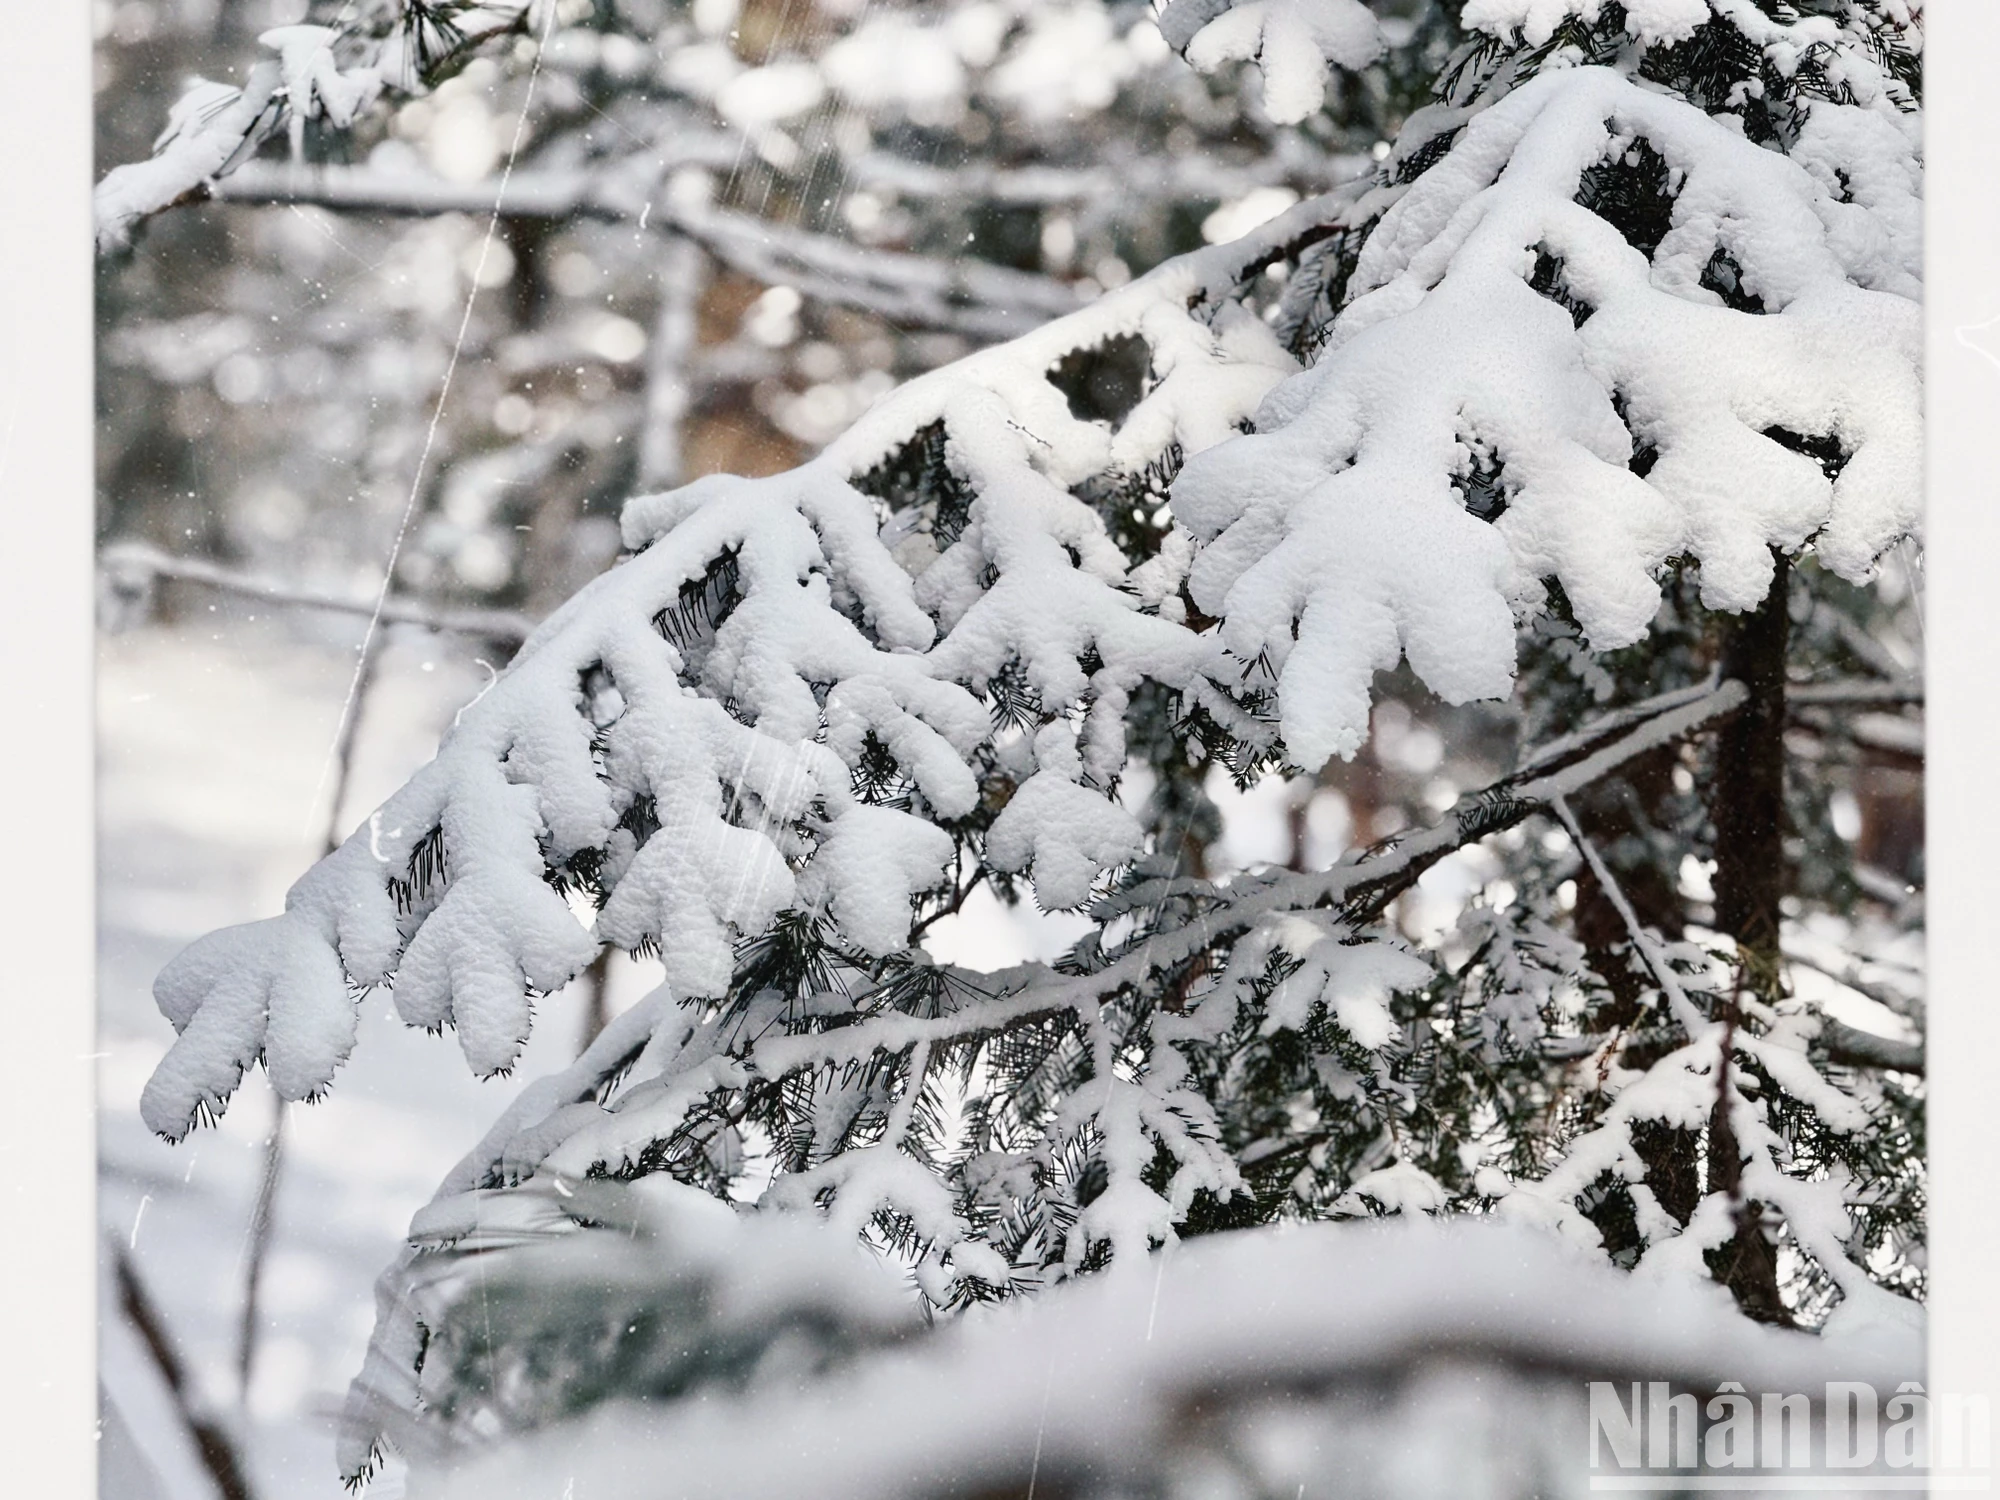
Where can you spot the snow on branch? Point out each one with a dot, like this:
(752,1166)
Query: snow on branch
(1327,1335)
(211,126)
(331,73)
(1293,42)
(1530,383)
(1701,1084)
(687,740)
(666,1083)
(130,569)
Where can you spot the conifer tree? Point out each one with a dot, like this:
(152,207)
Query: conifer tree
(1590,419)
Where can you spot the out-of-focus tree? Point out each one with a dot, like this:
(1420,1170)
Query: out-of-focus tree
(726,232)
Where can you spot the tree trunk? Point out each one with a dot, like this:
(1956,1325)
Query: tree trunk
(1748,807)
(1749,795)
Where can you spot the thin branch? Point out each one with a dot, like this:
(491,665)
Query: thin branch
(1852,1047)
(1866,648)
(1889,999)
(1843,694)
(1685,1011)
(913,291)
(528,193)
(683,275)
(1541,784)
(1360,888)
(1192,178)
(131,568)
(1891,735)
(951,908)
(217,1448)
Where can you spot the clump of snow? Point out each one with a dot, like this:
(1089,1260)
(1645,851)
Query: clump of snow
(893,59)
(222,997)
(1536,20)
(1336,538)
(1292,41)
(314,84)
(1067,59)
(1402,1187)
(1065,832)
(758,98)
(1239,216)
(872,865)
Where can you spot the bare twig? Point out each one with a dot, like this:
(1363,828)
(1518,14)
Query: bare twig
(258,1249)
(1684,1009)
(1845,694)
(952,907)
(1852,1047)
(132,566)
(217,1448)
(916,291)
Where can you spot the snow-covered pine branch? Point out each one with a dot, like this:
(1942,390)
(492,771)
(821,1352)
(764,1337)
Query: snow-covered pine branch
(834,1068)
(132,569)
(330,73)
(1526,384)
(772,640)
(1338,539)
